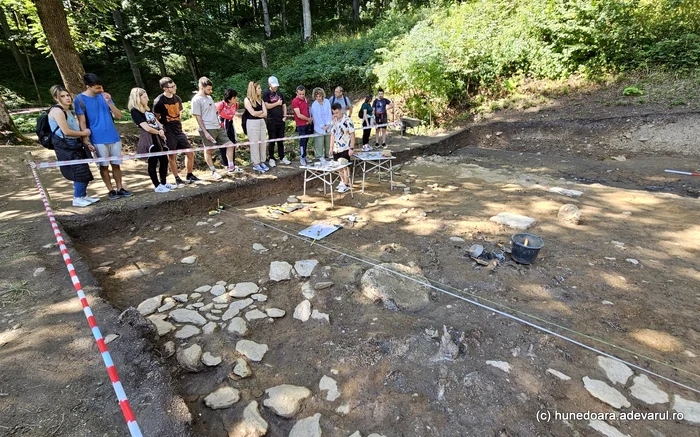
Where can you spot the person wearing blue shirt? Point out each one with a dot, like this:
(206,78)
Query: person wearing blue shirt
(95,109)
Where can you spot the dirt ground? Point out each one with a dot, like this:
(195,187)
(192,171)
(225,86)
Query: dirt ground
(581,285)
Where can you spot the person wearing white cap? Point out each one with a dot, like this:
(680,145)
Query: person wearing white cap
(276,113)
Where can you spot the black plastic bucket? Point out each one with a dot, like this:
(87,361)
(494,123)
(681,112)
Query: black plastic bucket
(525,254)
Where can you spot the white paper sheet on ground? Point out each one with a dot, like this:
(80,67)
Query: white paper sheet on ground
(319,230)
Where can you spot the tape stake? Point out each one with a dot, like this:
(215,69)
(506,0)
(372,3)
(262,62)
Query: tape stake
(131,423)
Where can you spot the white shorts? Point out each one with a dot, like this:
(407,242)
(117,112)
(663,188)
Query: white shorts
(108,151)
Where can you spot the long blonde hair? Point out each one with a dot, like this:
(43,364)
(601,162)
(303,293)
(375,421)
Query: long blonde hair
(135,99)
(253,95)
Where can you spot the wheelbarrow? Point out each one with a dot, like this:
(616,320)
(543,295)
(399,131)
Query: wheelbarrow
(410,123)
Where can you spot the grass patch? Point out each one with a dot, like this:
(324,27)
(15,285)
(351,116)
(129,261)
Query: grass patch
(14,291)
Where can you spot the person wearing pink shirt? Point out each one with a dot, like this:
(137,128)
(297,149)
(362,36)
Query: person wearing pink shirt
(227,109)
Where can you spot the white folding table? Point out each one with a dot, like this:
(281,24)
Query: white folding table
(328,174)
(368,161)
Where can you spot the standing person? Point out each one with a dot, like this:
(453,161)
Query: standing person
(152,138)
(95,110)
(66,133)
(367,118)
(227,109)
(302,120)
(342,142)
(321,114)
(276,113)
(381,106)
(255,125)
(343,100)
(210,130)
(168,108)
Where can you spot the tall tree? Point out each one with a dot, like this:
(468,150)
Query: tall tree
(8,131)
(355,11)
(55,24)
(11,43)
(306,14)
(266,19)
(128,47)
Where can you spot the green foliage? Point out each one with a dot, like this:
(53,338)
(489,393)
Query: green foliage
(12,99)
(632,91)
(26,123)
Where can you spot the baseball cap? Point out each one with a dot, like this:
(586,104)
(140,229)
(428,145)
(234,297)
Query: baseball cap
(272,81)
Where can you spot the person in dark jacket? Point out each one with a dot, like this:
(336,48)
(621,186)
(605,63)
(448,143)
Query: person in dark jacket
(65,140)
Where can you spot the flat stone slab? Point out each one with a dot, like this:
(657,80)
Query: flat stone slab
(189,259)
(323,285)
(244,289)
(646,391)
(305,267)
(187,331)
(457,239)
(210,360)
(222,398)
(202,289)
(303,311)
(502,365)
(240,304)
(242,368)
(308,290)
(230,314)
(396,292)
(150,305)
(331,386)
(601,390)
(259,297)
(280,271)
(285,400)
(218,290)
(237,326)
(566,192)
(189,358)
(606,429)
(309,427)
(167,306)
(252,425)
(317,315)
(275,313)
(220,300)
(162,326)
(254,351)
(211,326)
(558,374)
(690,409)
(617,372)
(182,298)
(182,315)
(513,221)
(255,315)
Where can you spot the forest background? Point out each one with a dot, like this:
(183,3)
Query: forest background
(442,59)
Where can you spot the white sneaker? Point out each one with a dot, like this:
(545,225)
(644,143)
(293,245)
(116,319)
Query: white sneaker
(234,170)
(366,148)
(81,202)
(170,186)
(342,188)
(161,189)
(91,199)
(272,163)
(285,161)
(215,175)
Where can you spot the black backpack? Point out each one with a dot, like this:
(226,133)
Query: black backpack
(43,128)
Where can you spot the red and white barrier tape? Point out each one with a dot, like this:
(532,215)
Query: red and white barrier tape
(175,152)
(134,429)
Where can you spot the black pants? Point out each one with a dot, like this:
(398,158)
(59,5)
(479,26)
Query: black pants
(231,134)
(275,129)
(365,133)
(163,170)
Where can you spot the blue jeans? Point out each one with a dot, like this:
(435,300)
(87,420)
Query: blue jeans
(303,130)
(79,189)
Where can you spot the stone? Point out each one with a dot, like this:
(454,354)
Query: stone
(309,427)
(376,435)
(185,248)
(220,300)
(242,368)
(181,315)
(209,327)
(331,386)
(162,326)
(558,374)
(513,221)
(206,307)
(566,192)
(255,315)
(259,247)
(214,311)
(601,390)
(212,317)
(201,223)
(189,358)
(457,239)
(220,306)
(254,351)
(322,285)
(617,372)
(222,398)
(259,297)
(308,290)
(275,313)
(110,338)
(343,409)
(690,409)
(305,267)
(569,214)
(502,365)
(217,224)
(38,271)
(354,434)
(189,259)
(240,304)
(187,331)
(210,360)
(244,289)
(689,354)
(280,271)
(197,305)
(317,315)
(195,296)
(607,302)
(646,391)
(237,326)
(303,311)
(475,250)
(169,349)
(394,291)
(218,290)
(605,429)
(150,305)
(230,314)
(167,306)
(182,298)
(632,261)
(252,425)
(285,400)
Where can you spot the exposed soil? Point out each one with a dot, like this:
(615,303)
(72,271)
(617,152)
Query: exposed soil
(385,360)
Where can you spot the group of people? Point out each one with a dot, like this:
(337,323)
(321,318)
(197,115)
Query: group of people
(91,129)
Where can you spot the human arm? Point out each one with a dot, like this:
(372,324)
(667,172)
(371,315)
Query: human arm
(197,113)
(249,107)
(301,116)
(351,131)
(60,118)
(115,111)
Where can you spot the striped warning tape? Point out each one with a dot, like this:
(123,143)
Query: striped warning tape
(196,149)
(134,429)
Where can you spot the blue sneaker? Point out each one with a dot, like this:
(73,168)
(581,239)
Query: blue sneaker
(264,167)
(258,168)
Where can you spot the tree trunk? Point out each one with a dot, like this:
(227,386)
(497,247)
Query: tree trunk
(306,14)
(355,11)
(128,48)
(263,59)
(161,65)
(284,16)
(8,131)
(192,64)
(53,20)
(13,47)
(266,19)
